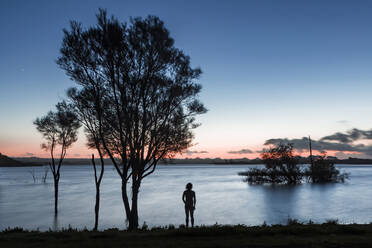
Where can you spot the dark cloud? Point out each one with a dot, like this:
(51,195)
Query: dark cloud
(340,137)
(189,152)
(242,151)
(350,136)
(303,144)
(340,142)
(29,154)
(77,155)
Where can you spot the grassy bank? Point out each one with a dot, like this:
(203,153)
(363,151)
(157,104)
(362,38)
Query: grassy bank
(292,235)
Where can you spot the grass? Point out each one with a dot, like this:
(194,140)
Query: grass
(294,234)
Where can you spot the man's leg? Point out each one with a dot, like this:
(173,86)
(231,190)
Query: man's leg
(192,216)
(187,216)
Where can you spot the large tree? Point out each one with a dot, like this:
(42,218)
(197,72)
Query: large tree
(59,130)
(144,94)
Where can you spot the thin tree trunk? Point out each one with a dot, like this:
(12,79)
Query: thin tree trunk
(96,208)
(97,181)
(55,196)
(124,196)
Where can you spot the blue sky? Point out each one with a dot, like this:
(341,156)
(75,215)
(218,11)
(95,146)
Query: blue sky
(271,69)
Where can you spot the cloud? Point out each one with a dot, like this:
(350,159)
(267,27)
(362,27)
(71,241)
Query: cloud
(76,155)
(29,154)
(303,144)
(260,151)
(189,152)
(343,122)
(350,136)
(242,151)
(340,142)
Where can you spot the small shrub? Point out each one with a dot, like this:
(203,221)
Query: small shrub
(324,171)
(14,230)
(331,221)
(291,221)
(69,229)
(156,228)
(144,227)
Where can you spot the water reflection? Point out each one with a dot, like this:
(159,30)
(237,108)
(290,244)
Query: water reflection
(280,202)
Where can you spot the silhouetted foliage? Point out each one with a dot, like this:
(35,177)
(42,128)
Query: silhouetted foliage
(140,90)
(281,166)
(59,129)
(323,171)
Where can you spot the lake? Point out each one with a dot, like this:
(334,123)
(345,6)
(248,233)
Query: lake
(222,197)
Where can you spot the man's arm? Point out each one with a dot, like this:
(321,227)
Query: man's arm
(183,197)
(194,196)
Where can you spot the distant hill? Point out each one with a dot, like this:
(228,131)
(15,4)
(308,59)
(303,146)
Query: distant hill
(6,161)
(34,161)
(66,161)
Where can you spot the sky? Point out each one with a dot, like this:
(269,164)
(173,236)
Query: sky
(271,69)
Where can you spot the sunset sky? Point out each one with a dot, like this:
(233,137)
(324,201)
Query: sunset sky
(271,70)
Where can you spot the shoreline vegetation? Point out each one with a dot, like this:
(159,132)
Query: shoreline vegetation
(283,167)
(36,161)
(293,234)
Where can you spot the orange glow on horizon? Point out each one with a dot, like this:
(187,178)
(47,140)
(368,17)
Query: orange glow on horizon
(79,150)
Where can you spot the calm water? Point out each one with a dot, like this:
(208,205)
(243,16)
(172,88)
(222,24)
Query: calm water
(222,197)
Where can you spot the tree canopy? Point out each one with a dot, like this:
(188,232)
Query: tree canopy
(59,130)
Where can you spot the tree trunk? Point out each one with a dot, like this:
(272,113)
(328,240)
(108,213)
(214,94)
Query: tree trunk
(55,196)
(96,208)
(133,220)
(124,196)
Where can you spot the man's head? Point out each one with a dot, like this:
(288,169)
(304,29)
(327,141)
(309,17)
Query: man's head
(189,186)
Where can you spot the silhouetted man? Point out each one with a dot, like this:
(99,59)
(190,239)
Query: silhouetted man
(189,199)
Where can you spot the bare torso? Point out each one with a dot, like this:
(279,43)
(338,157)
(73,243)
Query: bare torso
(189,198)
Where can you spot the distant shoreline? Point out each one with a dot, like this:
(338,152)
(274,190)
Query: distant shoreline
(35,161)
(6,161)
